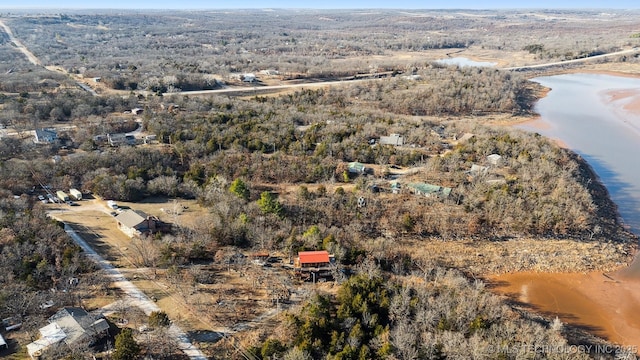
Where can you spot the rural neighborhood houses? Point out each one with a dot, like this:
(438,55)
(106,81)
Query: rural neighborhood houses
(135,223)
(71,326)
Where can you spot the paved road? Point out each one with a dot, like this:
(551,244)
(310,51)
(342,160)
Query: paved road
(560,63)
(134,295)
(228,90)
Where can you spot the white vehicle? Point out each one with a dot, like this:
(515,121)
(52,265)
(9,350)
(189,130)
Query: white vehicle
(75,194)
(63,196)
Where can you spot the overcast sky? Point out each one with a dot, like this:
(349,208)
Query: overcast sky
(323,4)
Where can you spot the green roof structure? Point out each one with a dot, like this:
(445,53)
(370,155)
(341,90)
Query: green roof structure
(430,190)
(356,167)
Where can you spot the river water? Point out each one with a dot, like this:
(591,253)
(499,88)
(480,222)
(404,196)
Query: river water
(597,116)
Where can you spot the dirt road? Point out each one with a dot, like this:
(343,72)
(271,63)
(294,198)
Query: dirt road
(30,56)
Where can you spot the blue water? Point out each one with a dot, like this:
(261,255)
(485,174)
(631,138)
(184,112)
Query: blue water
(577,111)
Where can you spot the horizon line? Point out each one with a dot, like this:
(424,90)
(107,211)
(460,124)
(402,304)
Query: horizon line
(312,8)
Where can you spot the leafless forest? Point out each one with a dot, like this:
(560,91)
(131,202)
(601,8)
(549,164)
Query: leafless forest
(272,168)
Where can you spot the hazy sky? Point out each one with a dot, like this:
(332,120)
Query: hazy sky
(323,4)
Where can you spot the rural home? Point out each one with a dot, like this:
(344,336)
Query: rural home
(312,259)
(249,78)
(393,139)
(45,136)
(429,190)
(312,265)
(356,168)
(71,326)
(135,223)
(121,139)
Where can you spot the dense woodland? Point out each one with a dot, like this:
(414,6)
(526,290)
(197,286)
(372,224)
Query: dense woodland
(271,170)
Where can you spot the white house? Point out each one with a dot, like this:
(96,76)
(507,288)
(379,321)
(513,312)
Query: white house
(69,326)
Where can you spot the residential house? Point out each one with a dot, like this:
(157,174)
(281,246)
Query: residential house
(356,168)
(121,139)
(393,139)
(312,260)
(45,136)
(429,190)
(249,78)
(494,159)
(135,223)
(137,111)
(70,326)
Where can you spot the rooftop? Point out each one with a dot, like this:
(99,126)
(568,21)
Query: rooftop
(131,218)
(313,257)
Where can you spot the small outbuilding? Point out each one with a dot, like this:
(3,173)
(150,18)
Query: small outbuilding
(494,159)
(393,139)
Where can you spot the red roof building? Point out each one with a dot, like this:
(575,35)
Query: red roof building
(314,259)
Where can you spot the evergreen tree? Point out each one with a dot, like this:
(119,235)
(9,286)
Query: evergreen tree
(126,346)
